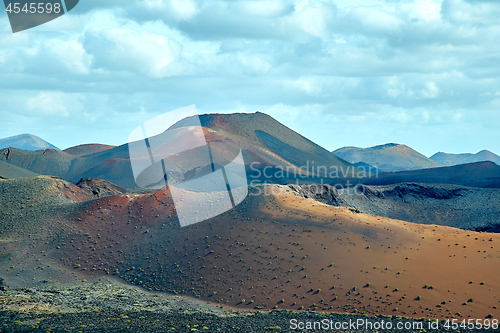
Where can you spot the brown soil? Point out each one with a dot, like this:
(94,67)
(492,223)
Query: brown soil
(286,252)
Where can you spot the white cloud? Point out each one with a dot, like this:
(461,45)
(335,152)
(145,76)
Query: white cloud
(357,118)
(388,64)
(312,17)
(472,13)
(431,90)
(264,7)
(184,9)
(402,117)
(425,116)
(70,54)
(457,116)
(376,19)
(424,10)
(254,64)
(395,88)
(308,85)
(179,10)
(125,49)
(54,103)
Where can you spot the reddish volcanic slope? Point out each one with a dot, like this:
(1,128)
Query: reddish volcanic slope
(277,251)
(287,252)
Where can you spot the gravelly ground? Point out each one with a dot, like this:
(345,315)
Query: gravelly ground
(109,307)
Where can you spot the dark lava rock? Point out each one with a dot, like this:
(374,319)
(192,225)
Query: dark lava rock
(100,188)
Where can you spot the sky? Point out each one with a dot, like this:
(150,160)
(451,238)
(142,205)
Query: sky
(424,73)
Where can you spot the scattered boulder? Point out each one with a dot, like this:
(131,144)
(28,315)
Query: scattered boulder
(322,193)
(100,188)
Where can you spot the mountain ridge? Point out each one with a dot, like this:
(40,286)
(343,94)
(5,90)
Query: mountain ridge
(464,158)
(87,149)
(263,141)
(387,157)
(478,174)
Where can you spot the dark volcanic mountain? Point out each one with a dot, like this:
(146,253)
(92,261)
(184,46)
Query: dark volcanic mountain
(265,143)
(455,159)
(436,204)
(26,142)
(112,165)
(45,162)
(388,157)
(367,167)
(480,174)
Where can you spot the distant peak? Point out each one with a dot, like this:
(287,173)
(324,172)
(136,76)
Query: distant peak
(26,141)
(24,135)
(485,151)
(387,145)
(379,147)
